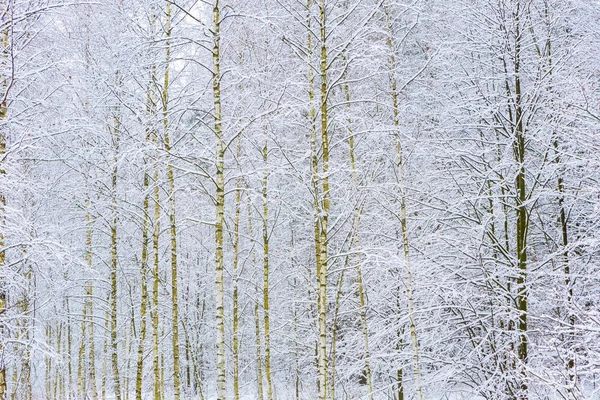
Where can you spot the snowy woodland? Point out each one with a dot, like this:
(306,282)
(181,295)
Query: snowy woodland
(299,199)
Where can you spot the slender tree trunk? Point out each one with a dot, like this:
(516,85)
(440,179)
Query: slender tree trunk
(522,212)
(21,384)
(355,245)
(314,162)
(564,226)
(59,389)
(155,284)
(114,260)
(25,379)
(69,351)
(219,206)
(334,331)
(236,249)
(297,378)
(129,339)
(47,365)
(258,344)
(144,262)
(265,235)
(143,301)
(194,362)
(325,205)
(403,219)
(3,113)
(172,220)
(105,351)
(81,372)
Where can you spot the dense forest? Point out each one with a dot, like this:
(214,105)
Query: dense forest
(299,199)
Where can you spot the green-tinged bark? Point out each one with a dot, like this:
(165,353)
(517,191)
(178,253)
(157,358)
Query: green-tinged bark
(335,331)
(219,206)
(257,332)
(266,308)
(105,352)
(324,207)
(82,367)
(172,220)
(144,261)
(157,387)
(3,113)
(114,260)
(236,277)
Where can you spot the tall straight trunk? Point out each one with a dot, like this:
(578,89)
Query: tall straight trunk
(3,113)
(297,382)
(335,330)
(258,344)
(69,350)
(521,208)
(130,337)
(501,359)
(564,227)
(314,158)
(325,206)
(172,220)
(355,244)
(236,250)
(25,379)
(114,260)
(143,303)
(105,351)
(188,355)
(59,379)
(403,219)
(564,224)
(265,237)
(21,386)
(87,360)
(82,375)
(193,366)
(47,366)
(155,284)
(219,206)
(144,260)
(259,368)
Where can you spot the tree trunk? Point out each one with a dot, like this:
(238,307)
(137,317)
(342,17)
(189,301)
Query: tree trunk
(3,113)
(334,330)
(172,220)
(114,263)
(355,246)
(219,206)
(403,218)
(144,257)
(236,249)
(522,212)
(324,211)
(258,344)
(314,161)
(265,236)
